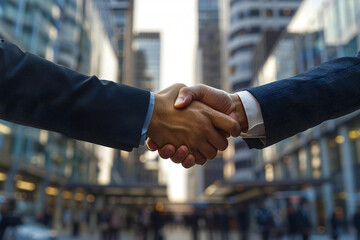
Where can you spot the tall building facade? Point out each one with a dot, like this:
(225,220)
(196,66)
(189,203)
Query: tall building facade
(146,48)
(320,165)
(248,20)
(142,166)
(178,37)
(121,20)
(209,42)
(209,73)
(117,18)
(37,165)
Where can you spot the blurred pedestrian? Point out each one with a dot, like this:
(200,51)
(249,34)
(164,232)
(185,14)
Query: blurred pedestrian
(337,223)
(243,221)
(104,223)
(356,222)
(304,221)
(45,217)
(10,218)
(76,219)
(265,221)
(193,221)
(292,222)
(278,230)
(144,220)
(115,224)
(67,218)
(223,219)
(210,222)
(156,224)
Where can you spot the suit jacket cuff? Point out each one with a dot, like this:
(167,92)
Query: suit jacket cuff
(148,118)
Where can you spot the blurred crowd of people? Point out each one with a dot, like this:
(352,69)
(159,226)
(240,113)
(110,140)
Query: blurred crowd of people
(214,221)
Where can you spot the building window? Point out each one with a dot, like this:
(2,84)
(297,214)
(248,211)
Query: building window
(303,165)
(241,49)
(254,13)
(354,136)
(269,172)
(334,150)
(249,13)
(245,31)
(233,2)
(242,164)
(315,160)
(287,12)
(269,13)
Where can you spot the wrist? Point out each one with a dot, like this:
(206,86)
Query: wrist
(154,121)
(240,113)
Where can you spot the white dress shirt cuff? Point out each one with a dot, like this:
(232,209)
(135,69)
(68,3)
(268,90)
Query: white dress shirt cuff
(253,112)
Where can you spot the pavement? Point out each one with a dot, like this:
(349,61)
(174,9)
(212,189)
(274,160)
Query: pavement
(180,233)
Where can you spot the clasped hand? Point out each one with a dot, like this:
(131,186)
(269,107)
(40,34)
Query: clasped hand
(190,132)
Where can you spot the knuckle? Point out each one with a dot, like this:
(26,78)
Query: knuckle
(213,154)
(224,146)
(164,155)
(176,160)
(235,128)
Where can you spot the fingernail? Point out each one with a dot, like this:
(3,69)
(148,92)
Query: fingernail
(179,101)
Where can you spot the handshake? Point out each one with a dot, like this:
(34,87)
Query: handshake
(190,124)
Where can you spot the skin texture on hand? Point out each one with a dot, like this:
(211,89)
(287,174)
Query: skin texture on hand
(194,127)
(229,104)
(219,100)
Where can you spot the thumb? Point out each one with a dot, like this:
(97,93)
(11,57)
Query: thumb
(184,97)
(214,98)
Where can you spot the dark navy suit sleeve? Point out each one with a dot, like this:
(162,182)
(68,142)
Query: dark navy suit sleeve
(41,94)
(292,105)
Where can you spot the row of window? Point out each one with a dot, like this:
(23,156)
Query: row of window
(245,31)
(246,13)
(242,49)
(233,2)
(243,67)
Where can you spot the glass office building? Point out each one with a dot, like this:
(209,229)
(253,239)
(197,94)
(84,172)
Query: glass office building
(147,61)
(209,42)
(329,153)
(36,166)
(249,19)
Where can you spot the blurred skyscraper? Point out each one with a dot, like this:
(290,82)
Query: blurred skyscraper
(175,22)
(248,20)
(36,166)
(147,61)
(321,165)
(209,43)
(209,70)
(321,31)
(141,166)
(117,17)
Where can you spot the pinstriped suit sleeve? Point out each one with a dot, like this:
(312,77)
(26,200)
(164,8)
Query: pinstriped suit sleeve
(292,105)
(41,94)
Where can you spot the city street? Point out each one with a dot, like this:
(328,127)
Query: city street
(184,234)
(83,85)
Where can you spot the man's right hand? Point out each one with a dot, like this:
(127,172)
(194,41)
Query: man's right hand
(219,100)
(196,127)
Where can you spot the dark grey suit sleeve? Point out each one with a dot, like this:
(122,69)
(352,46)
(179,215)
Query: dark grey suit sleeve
(41,94)
(292,105)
